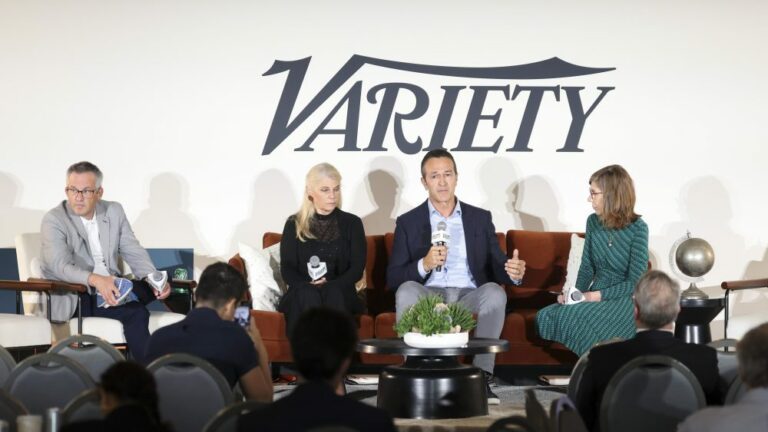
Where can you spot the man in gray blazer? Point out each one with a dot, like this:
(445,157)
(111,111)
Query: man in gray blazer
(750,413)
(82,240)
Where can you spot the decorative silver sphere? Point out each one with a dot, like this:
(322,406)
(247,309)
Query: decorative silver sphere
(691,258)
(695,257)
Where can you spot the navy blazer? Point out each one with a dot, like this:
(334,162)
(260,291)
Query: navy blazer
(413,236)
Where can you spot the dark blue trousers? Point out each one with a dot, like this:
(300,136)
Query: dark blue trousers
(134,316)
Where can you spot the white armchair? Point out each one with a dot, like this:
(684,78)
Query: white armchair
(35,292)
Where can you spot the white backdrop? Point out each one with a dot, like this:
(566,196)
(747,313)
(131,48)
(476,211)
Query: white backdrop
(168,98)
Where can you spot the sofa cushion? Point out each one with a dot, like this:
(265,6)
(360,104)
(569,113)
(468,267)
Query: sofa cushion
(264,289)
(546,259)
(574,260)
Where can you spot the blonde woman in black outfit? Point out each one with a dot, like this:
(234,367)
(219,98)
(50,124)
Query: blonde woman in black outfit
(320,228)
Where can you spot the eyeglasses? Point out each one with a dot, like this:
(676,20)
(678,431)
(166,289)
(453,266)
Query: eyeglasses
(592,194)
(86,193)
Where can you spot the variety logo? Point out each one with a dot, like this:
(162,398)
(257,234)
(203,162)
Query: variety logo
(288,117)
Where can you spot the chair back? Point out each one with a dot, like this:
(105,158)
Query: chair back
(86,406)
(534,412)
(7,363)
(652,392)
(191,390)
(226,419)
(564,417)
(10,408)
(28,253)
(48,380)
(95,354)
(735,391)
(581,365)
(576,375)
(512,424)
(727,363)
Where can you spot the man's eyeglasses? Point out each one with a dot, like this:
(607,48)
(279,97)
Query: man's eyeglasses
(86,193)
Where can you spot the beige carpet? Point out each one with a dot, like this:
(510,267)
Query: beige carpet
(512,403)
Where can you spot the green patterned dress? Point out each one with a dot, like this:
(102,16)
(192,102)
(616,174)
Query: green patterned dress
(612,262)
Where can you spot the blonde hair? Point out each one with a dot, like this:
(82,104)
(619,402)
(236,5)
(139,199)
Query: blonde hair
(618,196)
(307,211)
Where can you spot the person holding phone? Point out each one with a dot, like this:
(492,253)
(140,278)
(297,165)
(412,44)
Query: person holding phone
(615,257)
(322,251)
(210,331)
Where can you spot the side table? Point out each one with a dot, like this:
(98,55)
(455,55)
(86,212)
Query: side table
(692,323)
(432,384)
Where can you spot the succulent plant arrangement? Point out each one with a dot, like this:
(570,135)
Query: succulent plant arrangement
(431,315)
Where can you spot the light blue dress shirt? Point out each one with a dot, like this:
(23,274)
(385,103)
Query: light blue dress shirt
(455,273)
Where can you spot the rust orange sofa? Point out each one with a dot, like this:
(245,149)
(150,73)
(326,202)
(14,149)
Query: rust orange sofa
(546,256)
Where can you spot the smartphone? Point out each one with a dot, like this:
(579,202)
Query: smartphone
(243,314)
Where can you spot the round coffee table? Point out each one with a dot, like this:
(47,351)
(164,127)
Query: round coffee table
(432,384)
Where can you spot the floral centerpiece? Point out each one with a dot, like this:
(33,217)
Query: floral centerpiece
(430,323)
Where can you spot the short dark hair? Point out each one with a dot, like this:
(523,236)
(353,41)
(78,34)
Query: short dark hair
(220,283)
(437,153)
(86,167)
(752,352)
(131,383)
(322,339)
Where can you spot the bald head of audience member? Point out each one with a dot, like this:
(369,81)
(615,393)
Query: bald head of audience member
(752,352)
(657,301)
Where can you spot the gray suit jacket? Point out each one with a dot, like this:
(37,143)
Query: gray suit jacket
(66,255)
(747,415)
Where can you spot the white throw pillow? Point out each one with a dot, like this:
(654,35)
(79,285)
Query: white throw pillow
(274,263)
(574,260)
(265,292)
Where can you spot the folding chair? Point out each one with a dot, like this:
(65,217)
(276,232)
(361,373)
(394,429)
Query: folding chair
(191,390)
(47,380)
(652,392)
(94,354)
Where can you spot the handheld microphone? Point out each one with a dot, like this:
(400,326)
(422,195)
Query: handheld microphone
(440,237)
(157,280)
(316,268)
(573,296)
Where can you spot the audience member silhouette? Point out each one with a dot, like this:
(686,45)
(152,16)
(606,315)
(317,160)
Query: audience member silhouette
(750,413)
(209,332)
(128,402)
(323,343)
(656,305)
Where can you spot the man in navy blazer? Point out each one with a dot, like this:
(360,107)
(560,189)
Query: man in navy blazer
(468,269)
(657,304)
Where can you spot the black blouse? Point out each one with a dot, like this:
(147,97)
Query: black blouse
(340,243)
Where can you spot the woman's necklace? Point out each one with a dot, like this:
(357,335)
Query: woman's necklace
(610,239)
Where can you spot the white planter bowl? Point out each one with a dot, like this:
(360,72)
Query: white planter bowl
(443,340)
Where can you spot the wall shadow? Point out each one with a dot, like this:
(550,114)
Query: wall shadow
(383,187)
(518,203)
(706,211)
(16,220)
(267,216)
(167,207)
(757,269)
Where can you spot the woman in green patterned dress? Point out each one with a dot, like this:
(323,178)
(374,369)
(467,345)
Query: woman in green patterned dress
(615,256)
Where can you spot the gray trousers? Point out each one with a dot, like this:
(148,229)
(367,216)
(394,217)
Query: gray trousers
(488,301)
